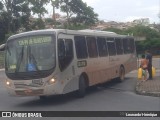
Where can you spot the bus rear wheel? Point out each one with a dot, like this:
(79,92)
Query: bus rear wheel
(82,87)
(121,74)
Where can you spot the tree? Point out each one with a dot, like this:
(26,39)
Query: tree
(37,7)
(38,24)
(2,30)
(55,4)
(1,6)
(145,31)
(14,14)
(80,10)
(25,18)
(13,10)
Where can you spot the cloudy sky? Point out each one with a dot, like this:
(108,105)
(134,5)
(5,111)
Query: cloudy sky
(126,10)
(123,10)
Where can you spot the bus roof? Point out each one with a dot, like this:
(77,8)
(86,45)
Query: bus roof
(66,31)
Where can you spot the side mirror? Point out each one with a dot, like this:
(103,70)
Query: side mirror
(2,47)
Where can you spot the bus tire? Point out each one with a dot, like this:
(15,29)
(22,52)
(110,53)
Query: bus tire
(82,87)
(121,74)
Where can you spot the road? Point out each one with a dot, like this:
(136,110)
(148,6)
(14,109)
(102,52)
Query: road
(112,96)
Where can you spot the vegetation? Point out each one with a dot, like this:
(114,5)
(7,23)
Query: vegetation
(80,10)
(15,15)
(152,36)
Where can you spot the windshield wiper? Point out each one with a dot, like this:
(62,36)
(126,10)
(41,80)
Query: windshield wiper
(19,61)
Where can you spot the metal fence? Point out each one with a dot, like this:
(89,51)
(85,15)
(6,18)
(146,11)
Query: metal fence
(1,60)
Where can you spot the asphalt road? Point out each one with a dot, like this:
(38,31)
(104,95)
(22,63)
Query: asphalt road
(112,96)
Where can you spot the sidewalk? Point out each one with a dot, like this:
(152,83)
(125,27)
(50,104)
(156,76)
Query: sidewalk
(149,87)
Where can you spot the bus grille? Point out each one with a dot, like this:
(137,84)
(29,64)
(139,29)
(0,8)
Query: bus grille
(29,92)
(25,85)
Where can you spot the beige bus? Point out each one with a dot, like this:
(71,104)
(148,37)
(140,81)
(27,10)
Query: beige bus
(59,61)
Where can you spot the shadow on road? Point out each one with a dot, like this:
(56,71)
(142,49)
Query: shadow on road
(63,99)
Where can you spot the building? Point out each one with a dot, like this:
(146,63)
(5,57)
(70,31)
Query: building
(142,21)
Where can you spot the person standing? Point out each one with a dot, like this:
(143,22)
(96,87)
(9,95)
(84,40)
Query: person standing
(144,66)
(149,68)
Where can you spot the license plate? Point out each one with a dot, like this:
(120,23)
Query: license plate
(37,81)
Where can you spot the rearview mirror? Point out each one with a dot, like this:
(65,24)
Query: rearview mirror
(2,47)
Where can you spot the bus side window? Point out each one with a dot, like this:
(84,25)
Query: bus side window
(81,48)
(92,47)
(119,46)
(65,52)
(132,45)
(127,45)
(102,47)
(111,46)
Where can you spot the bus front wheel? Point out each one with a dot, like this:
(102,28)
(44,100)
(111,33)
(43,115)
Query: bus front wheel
(82,87)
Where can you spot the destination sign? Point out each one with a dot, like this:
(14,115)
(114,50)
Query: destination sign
(34,40)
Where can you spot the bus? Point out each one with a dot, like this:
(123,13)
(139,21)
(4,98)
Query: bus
(58,61)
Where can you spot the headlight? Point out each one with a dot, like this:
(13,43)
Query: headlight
(52,81)
(8,83)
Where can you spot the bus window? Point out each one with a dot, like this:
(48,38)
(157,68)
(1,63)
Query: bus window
(81,48)
(102,47)
(111,46)
(132,47)
(65,52)
(92,47)
(128,45)
(119,46)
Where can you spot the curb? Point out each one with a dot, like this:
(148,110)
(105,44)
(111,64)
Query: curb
(154,94)
(145,93)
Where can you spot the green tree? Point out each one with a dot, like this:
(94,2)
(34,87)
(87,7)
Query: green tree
(13,10)
(38,24)
(1,6)
(25,16)
(145,31)
(37,7)
(14,14)
(55,4)
(116,30)
(82,12)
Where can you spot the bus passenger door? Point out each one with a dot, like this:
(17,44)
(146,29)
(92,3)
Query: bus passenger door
(66,62)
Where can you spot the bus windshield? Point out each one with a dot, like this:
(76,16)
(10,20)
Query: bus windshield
(30,54)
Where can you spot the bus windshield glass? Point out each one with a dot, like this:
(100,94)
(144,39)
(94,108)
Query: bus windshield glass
(30,54)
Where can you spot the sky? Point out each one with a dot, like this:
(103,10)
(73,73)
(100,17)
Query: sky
(124,10)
